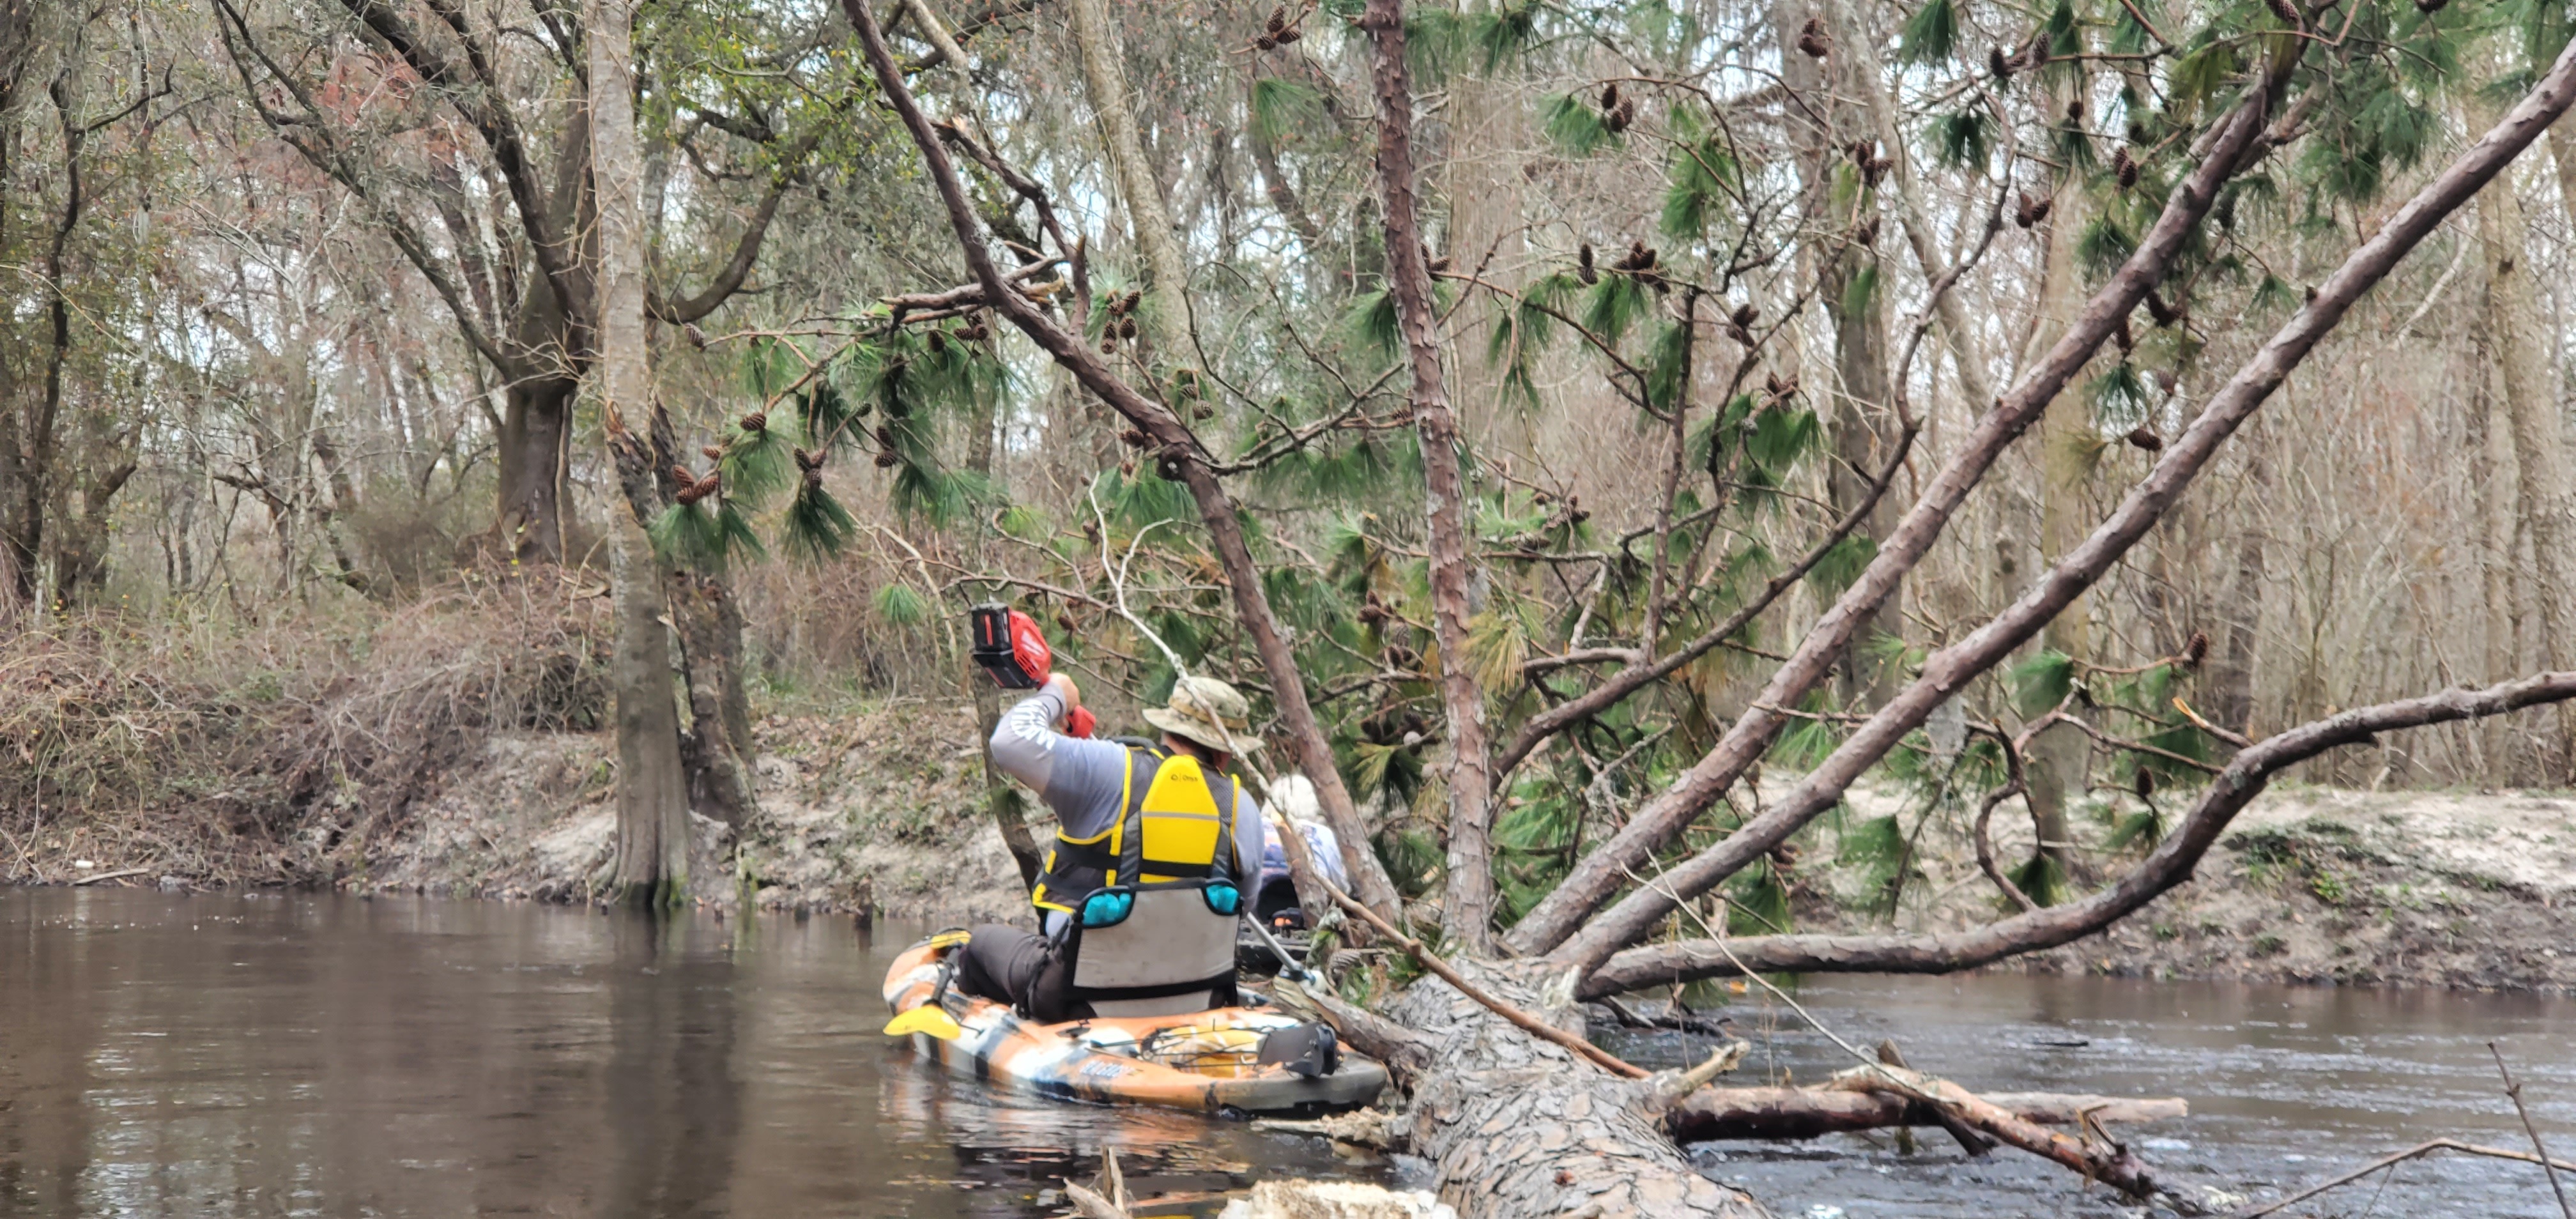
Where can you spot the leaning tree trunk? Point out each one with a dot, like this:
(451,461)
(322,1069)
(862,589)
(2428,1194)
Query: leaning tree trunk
(1515,1126)
(1177,454)
(652,796)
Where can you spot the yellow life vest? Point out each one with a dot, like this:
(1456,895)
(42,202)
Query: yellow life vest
(1176,823)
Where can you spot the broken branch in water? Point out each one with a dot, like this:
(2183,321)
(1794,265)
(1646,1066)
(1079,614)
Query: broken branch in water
(1528,1023)
(2513,1092)
(2112,1165)
(1806,1113)
(2420,1149)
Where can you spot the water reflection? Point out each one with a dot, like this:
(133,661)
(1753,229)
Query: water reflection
(257,1055)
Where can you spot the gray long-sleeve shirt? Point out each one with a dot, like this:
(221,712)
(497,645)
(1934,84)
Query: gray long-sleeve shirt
(1082,780)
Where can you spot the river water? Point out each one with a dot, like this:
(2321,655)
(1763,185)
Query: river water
(259,1054)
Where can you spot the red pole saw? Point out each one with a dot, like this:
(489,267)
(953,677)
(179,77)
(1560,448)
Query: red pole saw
(1014,653)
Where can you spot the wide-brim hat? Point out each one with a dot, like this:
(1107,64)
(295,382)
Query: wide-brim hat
(1207,711)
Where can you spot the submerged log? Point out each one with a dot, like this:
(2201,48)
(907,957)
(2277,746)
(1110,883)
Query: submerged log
(1806,1113)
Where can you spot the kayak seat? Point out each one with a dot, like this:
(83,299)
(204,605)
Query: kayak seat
(1171,953)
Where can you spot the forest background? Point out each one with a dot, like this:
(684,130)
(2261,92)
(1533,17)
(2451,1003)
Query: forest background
(310,487)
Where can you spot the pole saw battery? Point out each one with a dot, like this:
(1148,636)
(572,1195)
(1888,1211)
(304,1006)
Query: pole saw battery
(1009,646)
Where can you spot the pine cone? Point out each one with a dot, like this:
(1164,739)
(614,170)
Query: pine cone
(1737,331)
(2430,6)
(1278,19)
(1133,436)
(757,421)
(681,475)
(2120,334)
(2145,437)
(887,461)
(1583,265)
(2146,784)
(713,453)
(1867,234)
(1999,64)
(1127,304)
(689,496)
(1813,39)
(1610,97)
(1264,43)
(1127,328)
(807,461)
(1284,37)
(1745,314)
(1109,345)
(2286,11)
(2075,110)
(2038,52)
(707,486)
(2159,310)
(2124,168)
(697,337)
(2196,649)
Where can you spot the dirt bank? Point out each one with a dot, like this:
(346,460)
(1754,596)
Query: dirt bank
(2472,890)
(880,811)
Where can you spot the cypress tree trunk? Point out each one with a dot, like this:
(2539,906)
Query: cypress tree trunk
(652,794)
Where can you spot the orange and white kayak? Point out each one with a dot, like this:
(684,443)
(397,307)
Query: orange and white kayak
(1205,1061)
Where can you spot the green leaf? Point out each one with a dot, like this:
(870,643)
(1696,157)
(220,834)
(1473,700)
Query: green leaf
(1702,177)
(1574,125)
(817,526)
(1668,365)
(1963,140)
(2104,245)
(1372,321)
(1281,106)
(1842,563)
(1615,304)
(687,535)
(755,465)
(900,606)
(2042,682)
(1931,35)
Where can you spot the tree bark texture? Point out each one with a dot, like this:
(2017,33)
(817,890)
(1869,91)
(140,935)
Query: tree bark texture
(2247,774)
(1806,1113)
(1946,672)
(1601,875)
(2060,756)
(2525,372)
(1515,1126)
(1171,443)
(1167,277)
(1469,907)
(652,858)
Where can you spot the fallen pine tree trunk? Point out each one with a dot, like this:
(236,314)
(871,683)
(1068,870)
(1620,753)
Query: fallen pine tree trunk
(1806,1113)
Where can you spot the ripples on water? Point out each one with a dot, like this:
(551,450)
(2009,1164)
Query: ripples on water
(258,1054)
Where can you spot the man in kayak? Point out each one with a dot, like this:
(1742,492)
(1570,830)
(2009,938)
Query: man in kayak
(1138,898)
